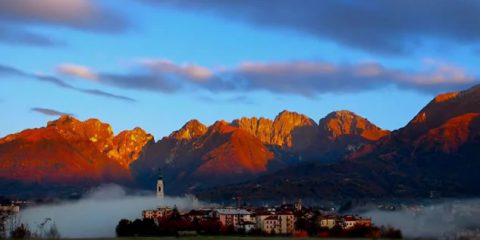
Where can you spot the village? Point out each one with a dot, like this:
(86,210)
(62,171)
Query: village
(286,219)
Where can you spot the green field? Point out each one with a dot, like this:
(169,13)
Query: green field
(206,238)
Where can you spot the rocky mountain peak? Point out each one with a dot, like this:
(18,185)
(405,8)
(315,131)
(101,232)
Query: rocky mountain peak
(344,122)
(285,124)
(443,108)
(72,129)
(128,145)
(191,129)
(259,127)
(221,126)
(278,132)
(63,120)
(293,118)
(71,151)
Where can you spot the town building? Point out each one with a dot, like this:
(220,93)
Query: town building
(9,209)
(260,217)
(348,222)
(329,221)
(366,222)
(157,214)
(232,217)
(270,224)
(199,215)
(286,222)
(246,226)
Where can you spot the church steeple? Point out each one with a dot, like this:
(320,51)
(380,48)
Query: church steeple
(160,186)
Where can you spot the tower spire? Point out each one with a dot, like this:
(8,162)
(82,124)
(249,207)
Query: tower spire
(160,185)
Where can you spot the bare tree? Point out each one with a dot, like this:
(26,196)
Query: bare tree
(52,232)
(11,223)
(40,232)
(21,232)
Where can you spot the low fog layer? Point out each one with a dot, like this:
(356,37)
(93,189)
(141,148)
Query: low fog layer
(98,213)
(440,220)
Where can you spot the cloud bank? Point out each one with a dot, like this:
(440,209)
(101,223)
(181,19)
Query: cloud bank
(386,27)
(85,15)
(98,213)
(304,78)
(438,221)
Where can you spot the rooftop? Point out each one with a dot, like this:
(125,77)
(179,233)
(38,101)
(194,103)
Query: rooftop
(233,211)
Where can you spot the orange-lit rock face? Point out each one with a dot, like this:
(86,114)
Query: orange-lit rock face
(128,145)
(285,124)
(446,96)
(190,130)
(278,132)
(70,151)
(222,153)
(45,156)
(100,134)
(259,127)
(421,117)
(451,135)
(342,123)
(442,109)
(240,153)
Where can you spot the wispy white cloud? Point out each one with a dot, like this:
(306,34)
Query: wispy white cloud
(15,36)
(235,100)
(187,70)
(11,71)
(77,70)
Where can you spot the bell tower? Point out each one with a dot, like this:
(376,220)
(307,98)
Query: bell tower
(160,187)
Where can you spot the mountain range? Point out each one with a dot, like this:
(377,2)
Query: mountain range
(435,155)
(342,155)
(197,156)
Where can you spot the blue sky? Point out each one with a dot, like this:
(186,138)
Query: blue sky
(159,64)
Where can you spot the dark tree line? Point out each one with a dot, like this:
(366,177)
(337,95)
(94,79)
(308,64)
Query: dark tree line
(148,227)
(312,227)
(22,231)
(168,226)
